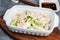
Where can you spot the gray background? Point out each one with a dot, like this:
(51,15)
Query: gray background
(4,5)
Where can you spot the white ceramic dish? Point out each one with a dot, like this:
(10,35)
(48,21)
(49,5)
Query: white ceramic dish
(18,8)
(50,1)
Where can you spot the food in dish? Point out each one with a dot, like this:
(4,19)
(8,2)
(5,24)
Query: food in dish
(49,5)
(31,20)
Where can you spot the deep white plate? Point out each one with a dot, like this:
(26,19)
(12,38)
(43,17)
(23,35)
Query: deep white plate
(18,9)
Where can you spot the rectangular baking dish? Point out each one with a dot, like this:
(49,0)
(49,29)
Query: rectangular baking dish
(19,8)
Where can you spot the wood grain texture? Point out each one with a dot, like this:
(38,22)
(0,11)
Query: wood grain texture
(55,35)
(29,3)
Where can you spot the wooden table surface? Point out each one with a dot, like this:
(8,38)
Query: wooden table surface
(55,35)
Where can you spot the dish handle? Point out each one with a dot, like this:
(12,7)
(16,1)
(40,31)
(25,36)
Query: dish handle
(56,20)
